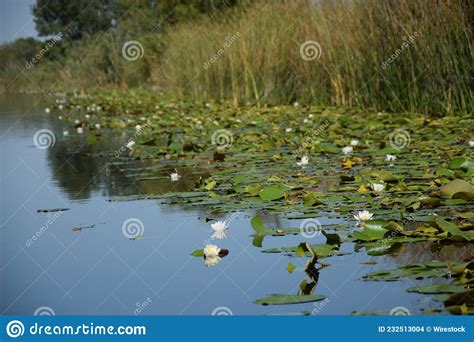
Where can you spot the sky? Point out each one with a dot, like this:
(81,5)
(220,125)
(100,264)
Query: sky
(16,20)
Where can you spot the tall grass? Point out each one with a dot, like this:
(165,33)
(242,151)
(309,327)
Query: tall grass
(413,55)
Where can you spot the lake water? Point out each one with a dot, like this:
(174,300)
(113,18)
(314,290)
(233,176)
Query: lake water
(99,271)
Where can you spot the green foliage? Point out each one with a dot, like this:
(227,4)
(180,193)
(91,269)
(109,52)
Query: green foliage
(411,56)
(394,56)
(74,18)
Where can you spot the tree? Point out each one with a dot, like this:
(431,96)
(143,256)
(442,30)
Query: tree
(74,18)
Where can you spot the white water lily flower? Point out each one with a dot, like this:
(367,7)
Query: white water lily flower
(77,122)
(296,104)
(138,127)
(304,161)
(211,261)
(60,107)
(354,142)
(130,144)
(80,130)
(60,117)
(362,216)
(220,229)
(175,176)
(347,150)
(310,116)
(471,143)
(377,187)
(97,126)
(87,116)
(65,133)
(288,130)
(305,120)
(47,110)
(390,157)
(211,251)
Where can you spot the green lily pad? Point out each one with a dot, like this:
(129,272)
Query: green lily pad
(198,253)
(258,225)
(456,186)
(279,299)
(272,193)
(436,289)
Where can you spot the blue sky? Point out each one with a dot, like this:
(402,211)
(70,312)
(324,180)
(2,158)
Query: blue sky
(16,20)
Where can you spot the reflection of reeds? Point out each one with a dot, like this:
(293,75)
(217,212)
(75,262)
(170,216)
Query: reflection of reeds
(426,251)
(358,40)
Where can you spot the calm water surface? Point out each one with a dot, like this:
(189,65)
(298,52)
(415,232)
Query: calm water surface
(100,271)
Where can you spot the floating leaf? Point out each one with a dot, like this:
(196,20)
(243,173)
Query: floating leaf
(278,299)
(257,241)
(198,253)
(435,289)
(450,189)
(311,199)
(258,225)
(272,193)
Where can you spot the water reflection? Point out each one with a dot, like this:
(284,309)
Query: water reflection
(80,168)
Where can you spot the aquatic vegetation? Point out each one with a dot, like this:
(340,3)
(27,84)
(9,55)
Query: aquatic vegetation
(427,196)
(220,229)
(362,216)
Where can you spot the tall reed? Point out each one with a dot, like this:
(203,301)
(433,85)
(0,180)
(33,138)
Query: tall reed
(413,55)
